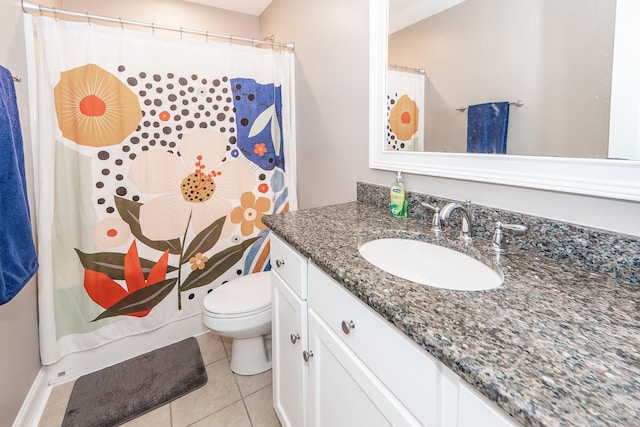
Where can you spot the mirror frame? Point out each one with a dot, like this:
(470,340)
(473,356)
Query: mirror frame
(614,179)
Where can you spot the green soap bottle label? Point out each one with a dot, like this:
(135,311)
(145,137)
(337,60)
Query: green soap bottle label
(398,204)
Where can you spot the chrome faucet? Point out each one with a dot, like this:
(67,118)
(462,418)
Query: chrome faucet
(467,229)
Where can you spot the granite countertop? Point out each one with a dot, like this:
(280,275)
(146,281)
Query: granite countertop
(555,345)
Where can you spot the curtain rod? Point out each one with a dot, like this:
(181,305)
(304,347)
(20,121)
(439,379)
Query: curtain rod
(29,7)
(405,68)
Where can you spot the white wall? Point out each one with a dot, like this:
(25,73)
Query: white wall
(175,13)
(331,38)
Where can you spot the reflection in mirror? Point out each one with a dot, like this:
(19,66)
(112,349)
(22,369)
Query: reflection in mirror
(483,56)
(405,104)
(609,178)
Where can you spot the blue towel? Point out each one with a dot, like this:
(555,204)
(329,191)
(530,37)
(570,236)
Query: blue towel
(487,128)
(18,261)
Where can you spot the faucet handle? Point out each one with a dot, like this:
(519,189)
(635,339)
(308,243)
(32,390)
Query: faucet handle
(498,242)
(436,224)
(516,227)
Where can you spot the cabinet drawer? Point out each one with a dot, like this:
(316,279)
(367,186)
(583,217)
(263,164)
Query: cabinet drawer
(407,370)
(290,265)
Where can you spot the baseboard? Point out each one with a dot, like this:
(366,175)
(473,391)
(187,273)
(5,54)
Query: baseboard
(34,403)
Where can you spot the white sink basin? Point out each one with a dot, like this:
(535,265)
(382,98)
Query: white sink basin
(431,265)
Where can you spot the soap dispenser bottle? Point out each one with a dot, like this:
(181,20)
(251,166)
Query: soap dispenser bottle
(397,200)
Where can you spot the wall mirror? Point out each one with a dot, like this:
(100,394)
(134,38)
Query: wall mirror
(581,171)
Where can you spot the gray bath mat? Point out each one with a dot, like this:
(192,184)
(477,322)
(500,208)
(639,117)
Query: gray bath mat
(121,392)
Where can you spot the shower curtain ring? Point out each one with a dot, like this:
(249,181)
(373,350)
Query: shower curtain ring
(153,28)
(40,9)
(55,14)
(206,37)
(88,19)
(121,24)
(180,33)
(230,39)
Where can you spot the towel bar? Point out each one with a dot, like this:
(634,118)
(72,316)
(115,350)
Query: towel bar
(518,103)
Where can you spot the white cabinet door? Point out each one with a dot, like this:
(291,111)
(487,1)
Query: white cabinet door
(475,410)
(406,370)
(462,406)
(289,339)
(342,391)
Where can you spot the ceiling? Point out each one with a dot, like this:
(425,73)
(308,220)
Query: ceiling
(403,13)
(250,7)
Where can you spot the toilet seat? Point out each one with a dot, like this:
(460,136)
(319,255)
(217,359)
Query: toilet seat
(245,296)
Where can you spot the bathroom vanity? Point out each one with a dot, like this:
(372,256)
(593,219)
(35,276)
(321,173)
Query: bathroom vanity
(336,362)
(354,345)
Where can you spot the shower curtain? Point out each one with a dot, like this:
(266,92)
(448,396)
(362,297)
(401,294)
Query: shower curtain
(405,111)
(157,158)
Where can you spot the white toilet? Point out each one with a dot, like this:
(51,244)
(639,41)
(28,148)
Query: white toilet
(241,309)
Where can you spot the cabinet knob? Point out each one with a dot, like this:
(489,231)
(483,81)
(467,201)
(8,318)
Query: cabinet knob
(279,263)
(306,355)
(294,338)
(348,326)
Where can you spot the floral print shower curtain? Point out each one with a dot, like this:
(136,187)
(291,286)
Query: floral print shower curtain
(157,158)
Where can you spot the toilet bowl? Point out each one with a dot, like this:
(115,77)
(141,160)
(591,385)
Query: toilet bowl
(241,309)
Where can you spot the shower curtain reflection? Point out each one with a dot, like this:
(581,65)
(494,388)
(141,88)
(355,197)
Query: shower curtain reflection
(405,110)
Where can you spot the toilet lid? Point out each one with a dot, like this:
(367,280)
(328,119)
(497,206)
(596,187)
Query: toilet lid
(245,294)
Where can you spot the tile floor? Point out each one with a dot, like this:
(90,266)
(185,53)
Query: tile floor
(227,400)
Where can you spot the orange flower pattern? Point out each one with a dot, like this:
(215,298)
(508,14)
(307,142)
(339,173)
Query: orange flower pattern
(94,108)
(198,261)
(250,212)
(403,118)
(260,149)
(111,232)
